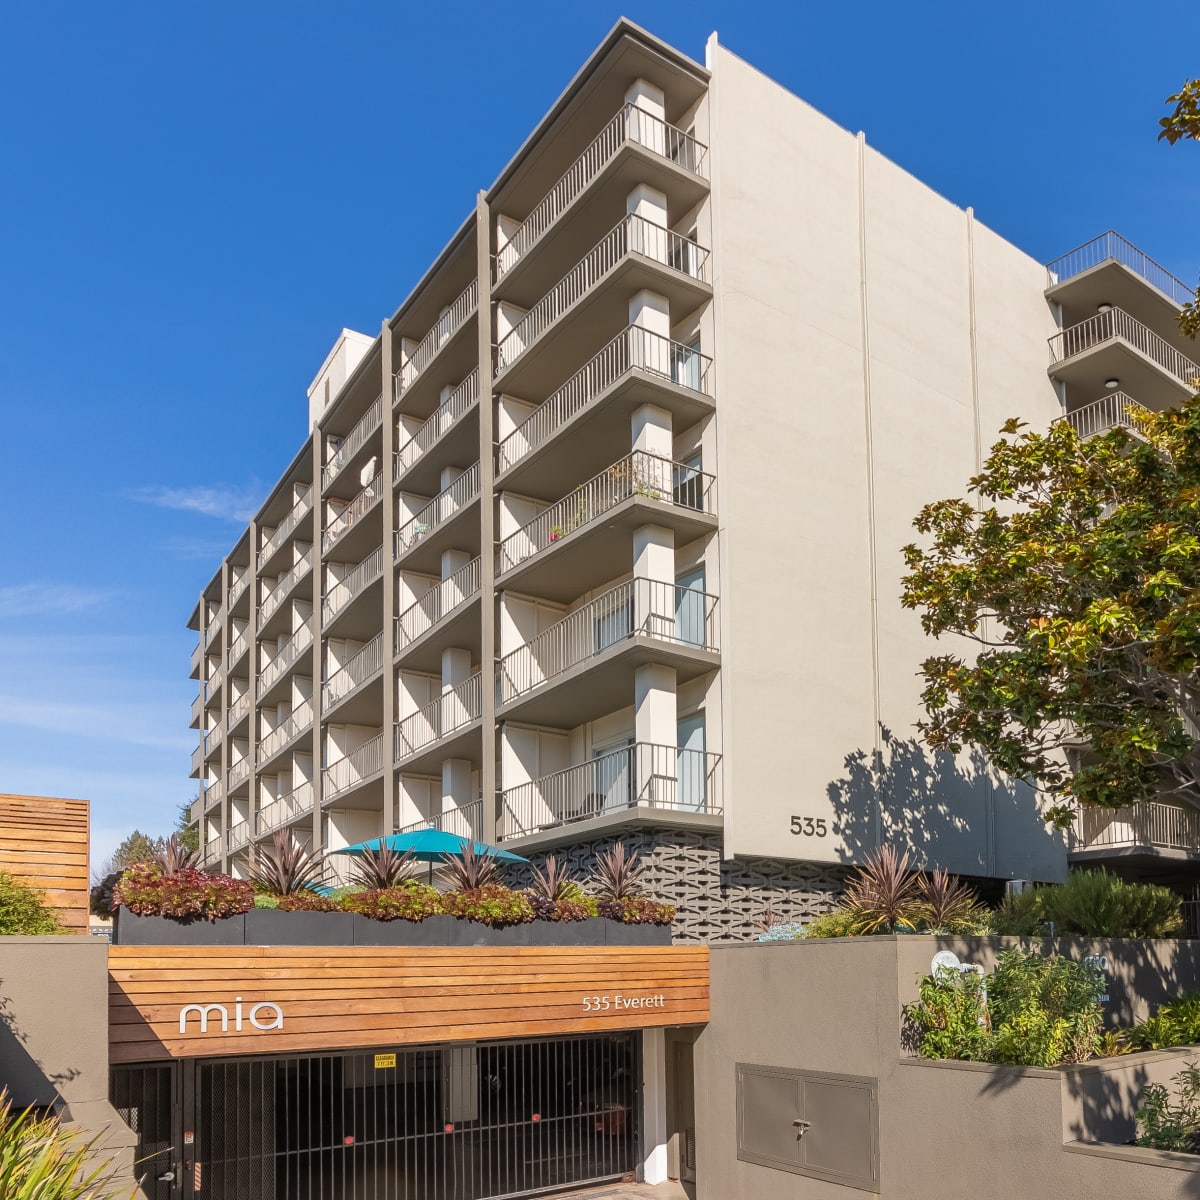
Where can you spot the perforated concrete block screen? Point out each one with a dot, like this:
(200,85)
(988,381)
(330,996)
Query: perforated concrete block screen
(810,1123)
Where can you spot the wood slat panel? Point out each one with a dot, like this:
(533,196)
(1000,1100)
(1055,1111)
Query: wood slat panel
(355,996)
(44,840)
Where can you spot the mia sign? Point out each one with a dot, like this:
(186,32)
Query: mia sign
(264,1015)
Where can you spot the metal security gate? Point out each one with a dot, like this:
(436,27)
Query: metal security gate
(462,1122)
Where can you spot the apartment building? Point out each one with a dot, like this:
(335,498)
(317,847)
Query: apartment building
(599,535)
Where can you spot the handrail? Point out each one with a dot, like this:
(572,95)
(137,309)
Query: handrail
(357,671)
(237,587)
(237,710)
(213,683)
(353,768)
(1115,409)
(634,348)
(353,512)
(446,326)
(631,124)
(210,739)
(452,710)
(236,836)
(1118,323)
(457,404)
(346,589)
(633,234)
(639,607)
(465,821)
(1149,823)
(353,441)
(283,586)
(286,808)
(212,848)
(638,474)
(439,510)
(291,726)
(283,530)
(236,648)
(285,656)
(1113,245)
(239,772)
(642,775)
(438,602)
(213,794)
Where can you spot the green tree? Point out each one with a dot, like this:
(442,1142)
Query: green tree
(189,834)
(24,910)
(137,847)
(1074,567)
(1184,124)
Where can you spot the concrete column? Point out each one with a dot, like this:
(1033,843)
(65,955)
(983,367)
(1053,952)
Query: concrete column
(456,667)
(456,785)
(650,430)
(645,117)
(644,96)
(654,1106)
(648,234)
(390,438)
(654,581)
(648,202)
(654,704)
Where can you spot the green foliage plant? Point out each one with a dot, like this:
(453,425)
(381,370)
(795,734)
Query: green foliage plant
(1176,1023)
(395,903)
(884,896)
(382,867)
(24,910)
(951,1017)
(1020,914)
(1169,1119)
(837,923)
(263,900)
(187,895)
(1092,903)
(100,898)
(490,904)
(637,910)
(1184,124)
(285,866)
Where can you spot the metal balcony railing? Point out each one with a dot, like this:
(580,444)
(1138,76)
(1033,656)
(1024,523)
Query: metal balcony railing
(1116,323)
(448,324)
(1113,245)
(197,657)
(237,836)
(197,709)
(237,587)
(452,710)
(632,349)
(1113,411)
(237,647)
(638,474)
(632,235)
(211,739)
(353,512)
(213,794)
(457,404)
(212,684)
(274,813)
(283,530)
(353,768)
(346,589)
(239,773)
(290,727)
(439,510)
(631,124)
(283,586)
(641,775)
(667,612)
(356,672)
(353,441)
(213,629)
(1151,824)
(441,600)
(237,710)
(287,654)
(212,849)
(466,821)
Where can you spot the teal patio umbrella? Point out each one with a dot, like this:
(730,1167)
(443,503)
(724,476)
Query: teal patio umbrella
(430,845)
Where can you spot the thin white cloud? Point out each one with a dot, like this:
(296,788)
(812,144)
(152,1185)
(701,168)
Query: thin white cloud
(126,724)
(50,599)
(224,502)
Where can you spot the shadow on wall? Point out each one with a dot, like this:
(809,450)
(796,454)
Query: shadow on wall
(21,1075)
(948,811)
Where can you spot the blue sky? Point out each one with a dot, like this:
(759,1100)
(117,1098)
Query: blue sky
(195,199)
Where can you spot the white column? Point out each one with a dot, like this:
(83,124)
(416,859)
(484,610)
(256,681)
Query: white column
(456,786)
(651,349)
(644,97)
(650,430)
(654,581)
(654,1106)
(648,235)
(456,667)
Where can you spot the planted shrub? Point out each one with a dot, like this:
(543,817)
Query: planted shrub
(100,898)
(1169,1119)
(619,874)
(1176,1023)
(309,901)
(1020,914)
(950,1020)
(947,905)
(382,867)
(884,896)
(491,904)
(469,870)
(187,895)
(838,923)
(1092,904)
(285,866)
(637,910)
(412,903)
(262,900)
(24,910)
(555,896)
(174,856)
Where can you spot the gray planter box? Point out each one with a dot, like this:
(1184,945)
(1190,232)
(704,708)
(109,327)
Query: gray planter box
(620,934)
(591,932)
(270,927)
(131,930)
(433,931)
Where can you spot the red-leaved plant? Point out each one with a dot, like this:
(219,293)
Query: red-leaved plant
(637,910)
(186,895)
(411,902)
(492,904)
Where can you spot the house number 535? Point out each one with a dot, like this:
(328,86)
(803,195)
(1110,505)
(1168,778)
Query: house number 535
(809,826)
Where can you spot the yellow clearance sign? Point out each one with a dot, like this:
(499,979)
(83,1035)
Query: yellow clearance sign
(384,1060)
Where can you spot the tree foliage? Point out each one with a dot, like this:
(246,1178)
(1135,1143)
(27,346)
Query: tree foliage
(1073,565)
(1184,123)
(137,847)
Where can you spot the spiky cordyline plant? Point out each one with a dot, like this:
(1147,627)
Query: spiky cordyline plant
(884,895)
(286,866)
(382,867)
(470,870)
(552,881)
(175,857)
(943,901)
(619,873)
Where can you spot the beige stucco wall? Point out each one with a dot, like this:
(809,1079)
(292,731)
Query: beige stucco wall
(870,339)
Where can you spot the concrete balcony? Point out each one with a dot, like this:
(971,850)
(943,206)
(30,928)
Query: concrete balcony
(447,340)
(1115,411)
(339,604)
(584,539)
(212,633)
(283,587)
(237,836)
(239,710)
(212,795)
(238,647)
(197,712)
(210,740)
(351,516)
(238,774)
(444,728)
(212,685)
(446,428)
(421,540)
(284,659)
(276,813)
(441,618)
(279,739)
(585,423)
(280,535)
(353,442)
(346,682)
(358,774)
(238,588)
(197,762)
(643,782)
(1153,830)
(583,666)
(212,850)
(197,660)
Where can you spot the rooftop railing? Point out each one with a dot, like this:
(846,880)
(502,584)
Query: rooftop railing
(641,775)
(452,710)
(1116,323)
(633,348)
(1112,411)
(283,586)
(355,673)
(354,768)
(1150,824)
(346,589)
(300,719)
(465,821)
(457,404)
(353,512)
(287,808)
(640,607)
(287,654)
(448,324)
(439,510)
(283,530)
(638,474)
(438,602)
(633,234)
(353,441)
(631,124)
(237,710)
(1113,245)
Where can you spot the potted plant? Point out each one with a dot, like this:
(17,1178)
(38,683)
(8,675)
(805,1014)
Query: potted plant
(556,532)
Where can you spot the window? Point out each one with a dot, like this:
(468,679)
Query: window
(687,483)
